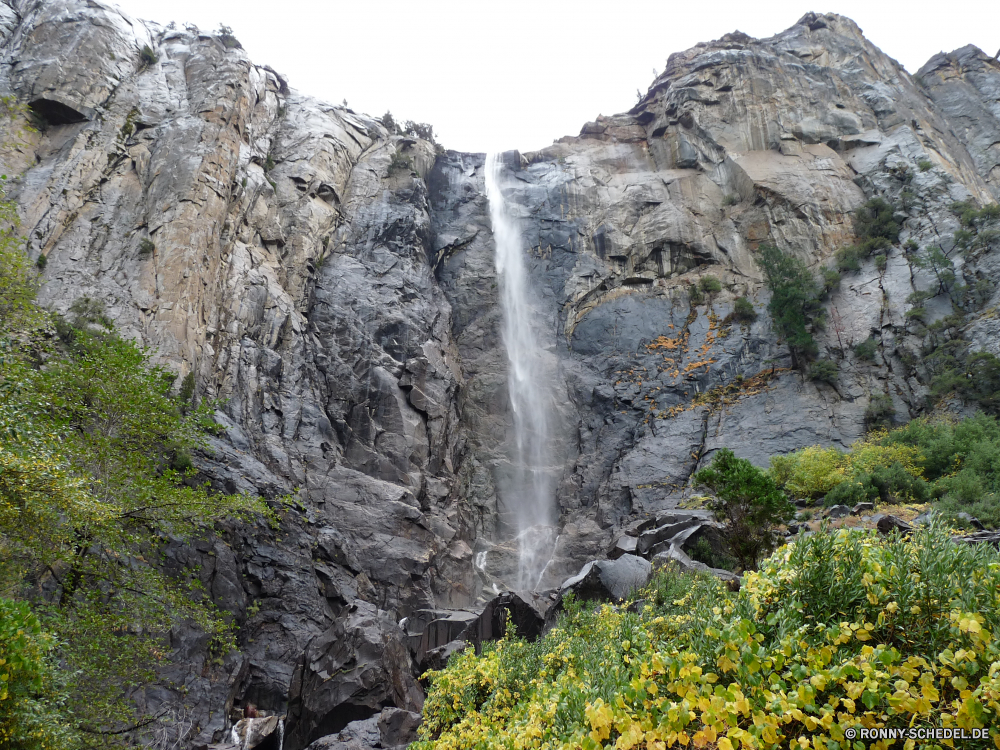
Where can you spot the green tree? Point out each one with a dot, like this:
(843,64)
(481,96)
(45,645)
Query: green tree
(749,504)
(795,302)
(89,494)
(95,478)
(29,693)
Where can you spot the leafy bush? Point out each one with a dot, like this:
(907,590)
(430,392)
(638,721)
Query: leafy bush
(42,261)
(824,371)
(925,165)
(880,411)
(694,294)
(709,285)
(866,350)
(848,259)
(389,123)
(703,552)
(975,378)
(795,301)
(838,630)
(749,504)
(810,472)
(29,716)
(146,247)
(961,460)
(743,311)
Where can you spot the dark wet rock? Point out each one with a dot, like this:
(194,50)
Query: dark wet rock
(668,531)
(357,735)
(428,630)
(886,524)
(525,610)
(350,672)
(397,727)
(437,658)
(623,545)
(609,580)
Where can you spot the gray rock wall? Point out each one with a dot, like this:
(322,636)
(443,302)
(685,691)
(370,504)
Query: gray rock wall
(344,308)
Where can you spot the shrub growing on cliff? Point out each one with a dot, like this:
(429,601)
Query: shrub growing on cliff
(88,498)
(866,350)
(875,226)
(795,301)
(147,56)
(709,284)
(880,411)
(824,371)
(743,311)
(749,504)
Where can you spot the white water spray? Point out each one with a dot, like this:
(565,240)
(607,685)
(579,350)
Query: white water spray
(529,493)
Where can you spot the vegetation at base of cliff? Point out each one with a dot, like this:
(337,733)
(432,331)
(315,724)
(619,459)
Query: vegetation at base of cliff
(840,630)
(956,463)
(748,503)
(95,481)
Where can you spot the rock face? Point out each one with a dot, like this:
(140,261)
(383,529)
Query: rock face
(333,284)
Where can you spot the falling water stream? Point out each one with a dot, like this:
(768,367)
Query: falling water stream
(528,492)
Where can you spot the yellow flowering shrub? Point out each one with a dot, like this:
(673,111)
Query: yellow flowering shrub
(876,451)
(810,472)
(841,632)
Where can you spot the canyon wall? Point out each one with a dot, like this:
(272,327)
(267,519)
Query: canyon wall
(332,284)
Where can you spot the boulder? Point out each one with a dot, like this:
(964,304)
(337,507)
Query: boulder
(971,520)
(982,537)
(526,610)
(437,658)
(886,524)
(430,629)
(666,532)
(357,735)
(860,508)
(351,671)
(609,580)
(838,511)
(397,728)
(264,733)
(623,545)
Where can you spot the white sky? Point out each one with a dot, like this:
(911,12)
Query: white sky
(499,74)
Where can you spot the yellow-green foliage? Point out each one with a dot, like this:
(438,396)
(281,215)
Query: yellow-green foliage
(841,630)
(812,472)
(27,721)
(875,451)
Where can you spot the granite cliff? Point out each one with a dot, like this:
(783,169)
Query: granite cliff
(333,285)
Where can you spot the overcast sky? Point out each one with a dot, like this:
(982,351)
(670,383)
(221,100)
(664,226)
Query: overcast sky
(521,73)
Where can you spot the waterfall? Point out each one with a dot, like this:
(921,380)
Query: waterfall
(528,491)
